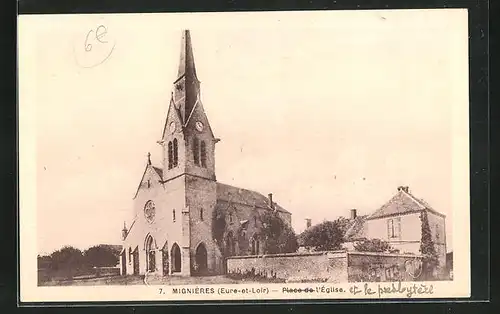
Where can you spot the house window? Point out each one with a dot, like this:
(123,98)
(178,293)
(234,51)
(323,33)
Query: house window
(173,215)
(175,154)
(201,213)
(170,155)
(394,228)
(196,151)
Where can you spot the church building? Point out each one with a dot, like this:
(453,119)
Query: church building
(186,222)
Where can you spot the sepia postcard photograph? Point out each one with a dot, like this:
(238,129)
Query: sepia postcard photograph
(244,156)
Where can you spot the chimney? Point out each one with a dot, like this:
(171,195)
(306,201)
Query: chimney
(308,223)
(270,196)
(353,213)
(403,188)
(124,231)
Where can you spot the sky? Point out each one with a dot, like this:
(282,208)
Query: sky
(327,111)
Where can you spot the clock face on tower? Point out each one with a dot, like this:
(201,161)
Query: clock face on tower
(199,126)
(149,211)
(172,127)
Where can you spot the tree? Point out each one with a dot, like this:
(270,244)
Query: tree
(325,236)
(44,261)
(100,256)
(343,224)
(278,236)
(373,245)
(218,227)
(427,249)
(68,259)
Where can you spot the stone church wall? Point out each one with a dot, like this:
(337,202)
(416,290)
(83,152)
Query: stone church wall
(201,200)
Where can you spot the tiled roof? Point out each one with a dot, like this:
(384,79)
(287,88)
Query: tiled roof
(234,194)
(402,203)
(355,228)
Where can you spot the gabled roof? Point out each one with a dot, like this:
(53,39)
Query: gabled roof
(177,111)
(158,171)
(402,203)
(229,193)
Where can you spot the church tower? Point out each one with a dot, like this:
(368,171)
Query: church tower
(187,139)
(189,164)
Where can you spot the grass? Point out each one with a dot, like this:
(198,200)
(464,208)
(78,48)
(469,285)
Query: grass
(153,280)
(108,281)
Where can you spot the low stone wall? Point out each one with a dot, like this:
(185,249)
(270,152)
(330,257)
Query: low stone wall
(335,267)
(319,266)
(366,266)
(106,271)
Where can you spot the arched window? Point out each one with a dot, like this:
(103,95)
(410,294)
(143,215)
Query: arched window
(150,254)
(203,153)
(201,213)
(173,215)
(170,155)
(176,154)
(175,254)
(196,151)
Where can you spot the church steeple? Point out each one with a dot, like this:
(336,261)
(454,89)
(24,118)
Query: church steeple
(186,86)
(186,64)
(188,141)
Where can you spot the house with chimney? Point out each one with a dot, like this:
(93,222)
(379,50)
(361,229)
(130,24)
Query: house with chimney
(186,222)
(398,222)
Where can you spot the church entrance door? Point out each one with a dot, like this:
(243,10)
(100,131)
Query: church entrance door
(176,258)
(201,259)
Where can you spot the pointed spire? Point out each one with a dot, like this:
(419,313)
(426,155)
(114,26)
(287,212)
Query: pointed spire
(186,64)
(124,231)
(187,85)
